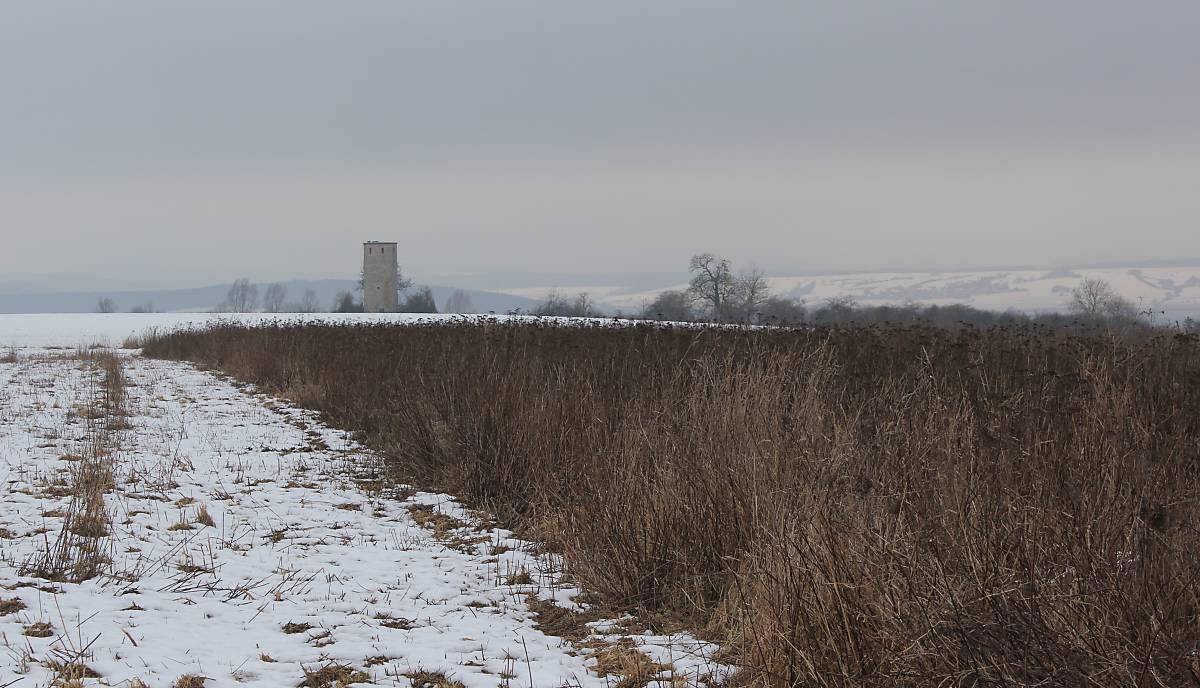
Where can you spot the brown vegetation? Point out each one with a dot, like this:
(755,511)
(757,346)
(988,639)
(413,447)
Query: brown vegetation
(190,681)
(859,506)
(11,606)
(333,675)
(80,551)
(432,679)
(39,629)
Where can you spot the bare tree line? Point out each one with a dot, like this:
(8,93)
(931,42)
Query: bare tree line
(244,296)
(716,293)
(107,305)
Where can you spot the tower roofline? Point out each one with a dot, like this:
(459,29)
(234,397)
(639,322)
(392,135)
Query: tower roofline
(392,243)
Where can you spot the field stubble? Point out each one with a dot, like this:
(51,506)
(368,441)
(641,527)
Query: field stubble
(860,506)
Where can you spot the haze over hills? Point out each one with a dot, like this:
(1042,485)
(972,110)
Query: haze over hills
(22,296)
(1171,288)
(41,283)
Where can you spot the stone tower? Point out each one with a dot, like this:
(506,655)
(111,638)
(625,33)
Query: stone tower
(380,277)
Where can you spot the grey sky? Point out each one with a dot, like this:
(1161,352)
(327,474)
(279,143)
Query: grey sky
(267,138)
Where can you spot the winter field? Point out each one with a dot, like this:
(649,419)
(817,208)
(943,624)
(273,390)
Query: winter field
(73,330)
(164,526)
(442,502)
(839,506)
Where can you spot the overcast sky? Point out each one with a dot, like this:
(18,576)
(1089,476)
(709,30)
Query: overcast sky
(179,142)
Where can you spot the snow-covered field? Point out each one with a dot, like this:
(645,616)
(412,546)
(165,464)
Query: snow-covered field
(83,330)
(110,329)
(251,545)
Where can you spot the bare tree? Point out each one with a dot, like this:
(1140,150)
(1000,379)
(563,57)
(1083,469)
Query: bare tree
(1096,298)
(555,304)
(1091,297)
(778,310)
(748,295)
(583,306)
(459,302)
(344,303)
(309,303)
(712,282)
(420,301)
(106,305)
(558,305)
(274,297)
(675,306)
(1123,309)
(836,309)
(241,298)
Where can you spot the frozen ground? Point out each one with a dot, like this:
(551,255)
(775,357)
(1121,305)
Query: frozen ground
(71,330)
(84,329)
(250,544)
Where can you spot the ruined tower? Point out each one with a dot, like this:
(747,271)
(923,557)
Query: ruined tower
(380,277)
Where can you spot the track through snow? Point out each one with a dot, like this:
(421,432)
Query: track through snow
(308,563)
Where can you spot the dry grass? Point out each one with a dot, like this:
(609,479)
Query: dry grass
(190,681)
(204,518)
(38,629)
(432,679)
(11,606)
(520,577)
(428,517)
(629,665)
(559,621)
(396,623)
(839,507)
(333,675)
(446,528)
(81,550)
(376,660)
(72,671)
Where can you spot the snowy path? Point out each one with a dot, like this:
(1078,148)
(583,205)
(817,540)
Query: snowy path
(306,564)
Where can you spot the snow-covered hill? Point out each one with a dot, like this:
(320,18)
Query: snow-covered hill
(1175,290)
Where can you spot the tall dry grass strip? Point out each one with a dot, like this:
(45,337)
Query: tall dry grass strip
(81,549)
(841,507)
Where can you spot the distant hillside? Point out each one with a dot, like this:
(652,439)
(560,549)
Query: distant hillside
(1173,288)
(201,299)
